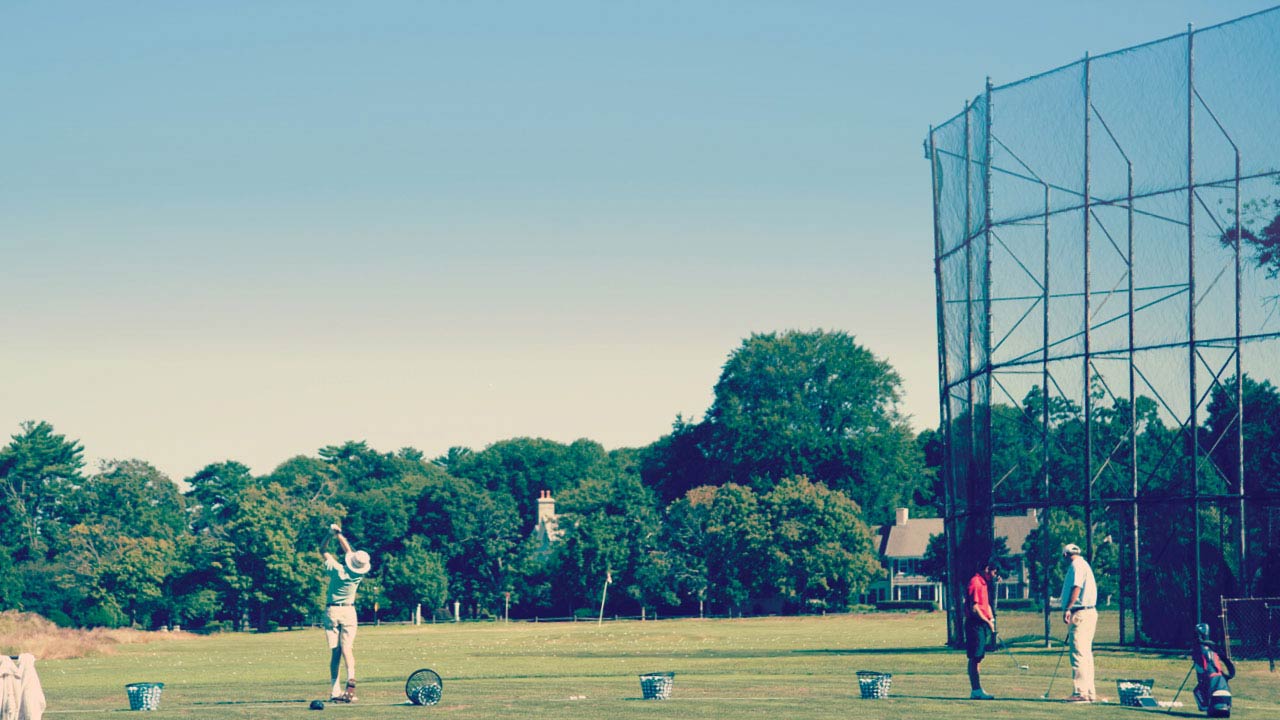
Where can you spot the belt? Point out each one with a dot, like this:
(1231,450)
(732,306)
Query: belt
(1082,607)
(341,604)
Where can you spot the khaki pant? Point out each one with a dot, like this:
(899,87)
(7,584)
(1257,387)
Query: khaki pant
(340,626)
(1085,624)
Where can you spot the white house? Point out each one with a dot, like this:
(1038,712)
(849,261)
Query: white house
(903,545)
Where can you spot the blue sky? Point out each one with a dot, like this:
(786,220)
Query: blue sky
(245,230)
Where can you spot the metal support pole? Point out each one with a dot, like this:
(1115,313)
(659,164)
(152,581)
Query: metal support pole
(1044,421)
(1088,328)
(1193,421)
(1245,583)
(960,517)
(984,475)
(953,634)
(1133,436)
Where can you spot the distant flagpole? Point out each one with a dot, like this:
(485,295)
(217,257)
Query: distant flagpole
(608,578)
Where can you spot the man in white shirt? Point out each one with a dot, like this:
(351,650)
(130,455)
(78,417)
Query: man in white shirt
(340,611)
(1079,610)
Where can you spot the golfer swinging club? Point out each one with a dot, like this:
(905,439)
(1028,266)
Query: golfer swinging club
(340,613)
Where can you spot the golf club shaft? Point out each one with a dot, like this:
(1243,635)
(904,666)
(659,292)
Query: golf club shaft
(1184,684)
(1005,645)
(1065,643)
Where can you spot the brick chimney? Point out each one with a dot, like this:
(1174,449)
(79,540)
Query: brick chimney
(902,517)
(546,508)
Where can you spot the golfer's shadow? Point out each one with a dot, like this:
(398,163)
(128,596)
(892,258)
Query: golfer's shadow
(875,651)
(961,698)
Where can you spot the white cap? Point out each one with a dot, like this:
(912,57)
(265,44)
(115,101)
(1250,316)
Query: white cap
(1071,549)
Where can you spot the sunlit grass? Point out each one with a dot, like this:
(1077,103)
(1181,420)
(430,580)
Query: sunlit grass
(761,667)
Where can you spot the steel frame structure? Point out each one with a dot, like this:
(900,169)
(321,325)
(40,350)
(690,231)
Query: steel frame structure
(1067,202)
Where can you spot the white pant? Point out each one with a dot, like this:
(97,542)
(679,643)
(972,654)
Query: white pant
(1085,624)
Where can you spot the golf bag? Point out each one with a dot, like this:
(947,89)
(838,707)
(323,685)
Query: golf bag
(1212,693)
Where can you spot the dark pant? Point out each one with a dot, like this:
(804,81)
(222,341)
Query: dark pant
(977,638)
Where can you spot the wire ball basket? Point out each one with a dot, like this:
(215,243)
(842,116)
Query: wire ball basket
(657,686)
(1132,691)
(144,696)
(874,685)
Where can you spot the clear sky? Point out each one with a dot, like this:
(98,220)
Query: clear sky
(246,230)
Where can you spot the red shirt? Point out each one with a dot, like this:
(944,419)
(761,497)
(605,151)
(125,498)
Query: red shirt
(978,597)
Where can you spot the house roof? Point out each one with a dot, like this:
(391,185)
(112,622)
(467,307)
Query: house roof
(911,539)
(1015,529)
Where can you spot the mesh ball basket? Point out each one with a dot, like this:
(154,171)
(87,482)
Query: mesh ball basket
(657,686)
(426,695)
(1132,691)
(874,685)
(144,696)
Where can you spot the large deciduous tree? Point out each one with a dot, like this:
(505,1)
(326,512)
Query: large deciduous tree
(820,405)
(611,527)
(723,542)
(476,532)
(1261,467)
(415,576)
(523,467)
(822,551)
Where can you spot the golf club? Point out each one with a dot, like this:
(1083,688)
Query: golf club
(1173,703)
(1065,643)
(1005,645)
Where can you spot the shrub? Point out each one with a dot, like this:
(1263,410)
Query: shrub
(926,605)
(29,633)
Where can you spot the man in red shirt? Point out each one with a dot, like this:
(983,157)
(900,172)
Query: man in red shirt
(980,625)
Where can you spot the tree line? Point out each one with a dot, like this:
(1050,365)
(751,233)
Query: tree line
(765,504)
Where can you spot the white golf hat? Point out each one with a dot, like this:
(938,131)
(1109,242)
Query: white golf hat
(358,562)
(1071,549)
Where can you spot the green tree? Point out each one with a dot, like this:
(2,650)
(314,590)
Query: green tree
(820,405)
(307,479)
(40,472)
(415,576)
(611,527)
(476,532)
(822,551)
(680,461)
(1261,401)
(523,467)
(276,568)
(135,499)
(10,584)
(126,577)
(215,492)
(934,563)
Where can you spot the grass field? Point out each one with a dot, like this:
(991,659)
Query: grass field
(761,667)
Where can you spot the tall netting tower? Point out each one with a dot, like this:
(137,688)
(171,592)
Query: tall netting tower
(1107,257)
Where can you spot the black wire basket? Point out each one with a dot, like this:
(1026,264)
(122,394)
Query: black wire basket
(874,685)
(144,696)
(657,686)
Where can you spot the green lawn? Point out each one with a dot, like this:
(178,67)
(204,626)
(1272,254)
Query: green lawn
(779,668)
